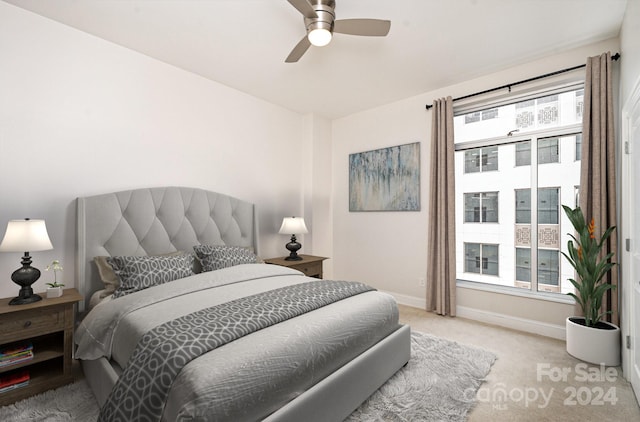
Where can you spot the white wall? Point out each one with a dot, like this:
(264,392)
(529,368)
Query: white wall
(81,116)
(317,189)
(388,250)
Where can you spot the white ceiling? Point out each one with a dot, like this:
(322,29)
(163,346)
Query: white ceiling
(431,44)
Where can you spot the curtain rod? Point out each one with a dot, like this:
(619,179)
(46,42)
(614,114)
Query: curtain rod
(546,75)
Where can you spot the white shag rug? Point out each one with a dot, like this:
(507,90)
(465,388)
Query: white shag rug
(438,384)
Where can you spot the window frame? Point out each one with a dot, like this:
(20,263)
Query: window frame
(532,136)
(482,258)
(481,213)
(481,161)
(531,91)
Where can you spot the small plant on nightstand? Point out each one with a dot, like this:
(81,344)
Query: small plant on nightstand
(55,288)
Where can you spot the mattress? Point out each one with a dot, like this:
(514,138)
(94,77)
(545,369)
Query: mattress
(255,375)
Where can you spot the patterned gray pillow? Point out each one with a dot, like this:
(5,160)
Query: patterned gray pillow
(141,272)
(222,256)
(108,276)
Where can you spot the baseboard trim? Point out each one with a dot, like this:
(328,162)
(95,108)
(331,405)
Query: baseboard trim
(502,320)
(414,302)
(516,323)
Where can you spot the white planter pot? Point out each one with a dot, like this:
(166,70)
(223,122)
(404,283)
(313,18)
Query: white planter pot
(54,292)
(593,345)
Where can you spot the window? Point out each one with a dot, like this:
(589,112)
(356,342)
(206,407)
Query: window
(472,118)
(481,258)
(490,114)
(481,159)
(478,116)
(548,206)
(523,153)
(481,207)
(523,206)
(548,267)
(523,264)
(500,181)
(548,151)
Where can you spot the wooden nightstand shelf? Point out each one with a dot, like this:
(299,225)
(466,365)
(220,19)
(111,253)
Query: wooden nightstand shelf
(48,325)
(310,265)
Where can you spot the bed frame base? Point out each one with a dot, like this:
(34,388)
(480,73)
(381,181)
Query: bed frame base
(332,399)
(338,395)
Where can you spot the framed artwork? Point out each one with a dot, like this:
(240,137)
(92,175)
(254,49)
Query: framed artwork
(386,179)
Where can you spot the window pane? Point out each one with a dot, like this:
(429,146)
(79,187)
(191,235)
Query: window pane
(548,207)
(472,117)
(526,116)
(548,150)
(523,206)
(472,161)
(578,146)
(523,264)
(490,259)
(490,207)
(471,207)
(490,114)
(472,258)
(548,267)
(523,153)
(490,159)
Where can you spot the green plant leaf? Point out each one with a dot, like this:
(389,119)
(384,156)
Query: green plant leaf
(583,254)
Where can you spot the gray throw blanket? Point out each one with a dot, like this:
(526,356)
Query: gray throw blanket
(141,391)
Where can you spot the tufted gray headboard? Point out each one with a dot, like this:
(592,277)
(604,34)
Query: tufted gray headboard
(155,221)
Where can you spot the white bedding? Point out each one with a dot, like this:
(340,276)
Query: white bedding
(251,377)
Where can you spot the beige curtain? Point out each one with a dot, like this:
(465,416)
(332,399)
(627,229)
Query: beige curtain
(441,253)
(598,167)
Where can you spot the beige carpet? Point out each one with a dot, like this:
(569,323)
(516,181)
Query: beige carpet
(514,393)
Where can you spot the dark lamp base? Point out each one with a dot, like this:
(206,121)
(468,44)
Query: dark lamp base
(293,247)
(24,300)
(25,277)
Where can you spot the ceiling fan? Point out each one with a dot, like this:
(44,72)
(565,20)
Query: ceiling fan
(319,20)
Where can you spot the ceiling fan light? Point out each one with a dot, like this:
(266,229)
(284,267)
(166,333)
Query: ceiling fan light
(319,37)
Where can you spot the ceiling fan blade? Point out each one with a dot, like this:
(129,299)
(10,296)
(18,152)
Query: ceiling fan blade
(298,50)
(368,27)
(305,8)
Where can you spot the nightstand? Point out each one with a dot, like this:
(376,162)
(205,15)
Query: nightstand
(48,325)
(310,265)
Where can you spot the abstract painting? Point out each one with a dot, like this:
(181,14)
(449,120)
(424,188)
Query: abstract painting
(386,179)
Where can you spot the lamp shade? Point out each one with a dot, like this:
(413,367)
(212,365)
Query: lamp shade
(293,225)
(26,236)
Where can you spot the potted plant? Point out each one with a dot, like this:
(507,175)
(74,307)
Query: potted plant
(589,338)
(55,288)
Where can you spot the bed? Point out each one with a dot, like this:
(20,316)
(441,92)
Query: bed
(319,363)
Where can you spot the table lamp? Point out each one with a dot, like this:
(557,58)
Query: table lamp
(22,236)
(293,226)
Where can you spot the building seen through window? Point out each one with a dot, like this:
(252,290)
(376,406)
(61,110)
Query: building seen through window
(510,226)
